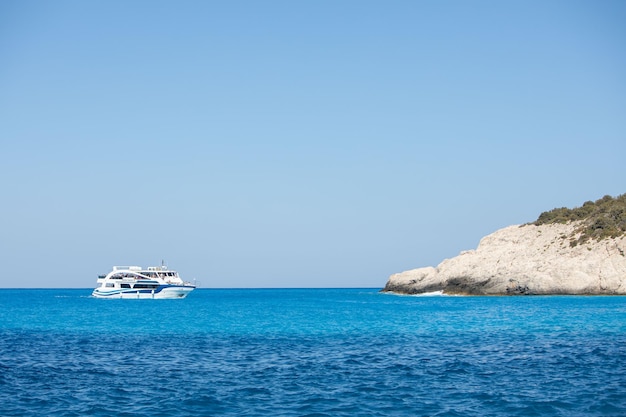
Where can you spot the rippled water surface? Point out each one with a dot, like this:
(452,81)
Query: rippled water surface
(333,352)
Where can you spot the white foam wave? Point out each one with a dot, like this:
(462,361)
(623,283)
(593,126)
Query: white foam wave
(430,294)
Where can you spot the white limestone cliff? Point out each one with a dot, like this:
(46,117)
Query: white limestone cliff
(524,259)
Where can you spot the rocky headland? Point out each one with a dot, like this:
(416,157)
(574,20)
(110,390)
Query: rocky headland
(566,251)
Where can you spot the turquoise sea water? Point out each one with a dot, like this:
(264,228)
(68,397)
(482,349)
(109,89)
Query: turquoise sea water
(316,352)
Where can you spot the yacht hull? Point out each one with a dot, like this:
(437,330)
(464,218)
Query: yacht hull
(162,292)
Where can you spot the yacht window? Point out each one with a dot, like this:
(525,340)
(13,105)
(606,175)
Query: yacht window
(110,285)
(145,286)
(125,285)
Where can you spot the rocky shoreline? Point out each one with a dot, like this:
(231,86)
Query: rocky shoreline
(525,260)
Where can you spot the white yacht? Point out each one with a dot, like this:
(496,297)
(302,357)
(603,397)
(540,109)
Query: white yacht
(137,282)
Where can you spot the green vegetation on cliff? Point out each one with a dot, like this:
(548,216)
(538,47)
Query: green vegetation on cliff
(604,218)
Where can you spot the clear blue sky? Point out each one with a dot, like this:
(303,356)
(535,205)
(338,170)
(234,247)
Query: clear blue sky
(296,143)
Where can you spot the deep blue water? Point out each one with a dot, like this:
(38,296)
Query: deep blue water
(317,352)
